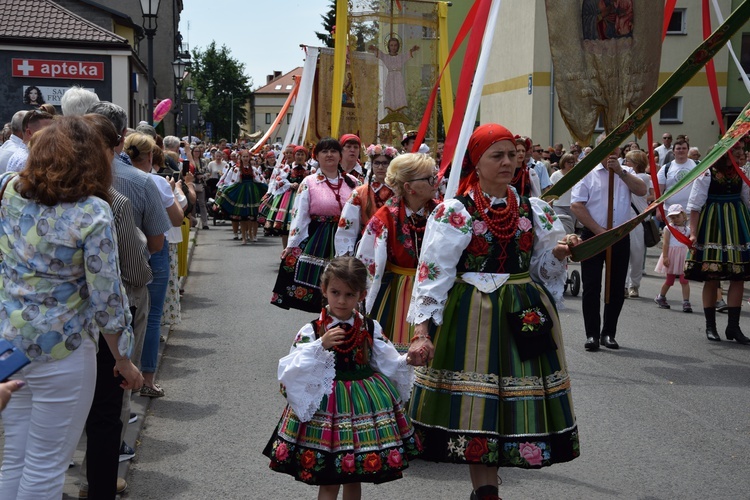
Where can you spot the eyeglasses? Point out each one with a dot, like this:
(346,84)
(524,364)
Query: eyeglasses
(430,180)
(539,151)
(667,137)
(380,163)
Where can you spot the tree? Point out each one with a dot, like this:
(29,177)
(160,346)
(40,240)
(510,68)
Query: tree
(221,88)
(329,21)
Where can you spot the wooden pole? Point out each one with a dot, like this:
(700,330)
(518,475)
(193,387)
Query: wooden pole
(610,221)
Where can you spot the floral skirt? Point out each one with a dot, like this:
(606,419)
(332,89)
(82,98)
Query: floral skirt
(240,201)
(360,433)
(722,247)
(478,401)
(298,282)
(171,311)
(392,305)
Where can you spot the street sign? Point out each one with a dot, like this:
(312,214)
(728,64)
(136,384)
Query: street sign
(209,130)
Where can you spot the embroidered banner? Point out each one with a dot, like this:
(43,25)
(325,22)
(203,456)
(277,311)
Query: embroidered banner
(606,55)
(593,246)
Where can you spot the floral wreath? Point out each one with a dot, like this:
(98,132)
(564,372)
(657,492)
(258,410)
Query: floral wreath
(374,150)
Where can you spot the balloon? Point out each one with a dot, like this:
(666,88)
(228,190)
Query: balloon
(161,110)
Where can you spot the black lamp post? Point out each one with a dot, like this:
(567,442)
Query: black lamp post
(179,66)
(190,91)
(150,11)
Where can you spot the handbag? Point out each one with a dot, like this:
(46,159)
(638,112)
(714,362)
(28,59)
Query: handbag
(651,233)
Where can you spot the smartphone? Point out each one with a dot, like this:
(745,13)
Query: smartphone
(185,167)
(11,360)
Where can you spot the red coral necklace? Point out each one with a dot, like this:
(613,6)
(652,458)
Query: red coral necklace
(354,337)
(502,222)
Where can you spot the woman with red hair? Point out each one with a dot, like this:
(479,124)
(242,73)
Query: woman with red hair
(495,391)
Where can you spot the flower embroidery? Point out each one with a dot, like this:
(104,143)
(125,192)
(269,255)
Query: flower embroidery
(456,220)
(371,268)
(531,453)
(347,463)
(375,227)
(439,212)
(395,459)
(307,460)
(427,271)
(282,452)
(475,449)
(372,462)
(532,319)
(524,224)
(345,223)
(525,241)
(479,227)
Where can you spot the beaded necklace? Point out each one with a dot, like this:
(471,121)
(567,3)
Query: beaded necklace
(502,222)
(335,189)
(415,225)
(354,336)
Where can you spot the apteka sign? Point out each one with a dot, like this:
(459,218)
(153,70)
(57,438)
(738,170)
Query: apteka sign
(67,70)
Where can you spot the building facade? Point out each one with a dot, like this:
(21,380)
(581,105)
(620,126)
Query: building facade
(267,102)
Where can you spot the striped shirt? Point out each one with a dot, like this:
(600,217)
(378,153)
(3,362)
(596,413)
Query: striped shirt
(131,244)
(140,189)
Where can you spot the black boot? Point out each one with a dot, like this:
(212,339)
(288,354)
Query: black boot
(733,331)
(486,492)
(711,333)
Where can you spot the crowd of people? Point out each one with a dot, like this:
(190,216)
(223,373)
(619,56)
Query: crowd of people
(438,334)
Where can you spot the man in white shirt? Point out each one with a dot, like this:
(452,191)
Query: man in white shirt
(673,172)
(15,141)
(535,162)
(589,203)
(34,121)
(665,150)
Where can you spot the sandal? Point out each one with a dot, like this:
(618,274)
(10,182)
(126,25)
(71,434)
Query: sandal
(152,392)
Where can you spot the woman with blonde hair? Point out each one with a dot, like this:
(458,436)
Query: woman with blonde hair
(638,161)
(140,148)
(391,242)
(62,290)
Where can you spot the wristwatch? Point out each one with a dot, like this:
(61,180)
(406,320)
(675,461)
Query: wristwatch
(623,173)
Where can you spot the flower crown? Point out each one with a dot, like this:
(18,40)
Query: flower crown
(378,149)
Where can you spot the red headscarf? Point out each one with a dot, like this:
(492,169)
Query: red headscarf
(349,138)
(483,137)
(303,149)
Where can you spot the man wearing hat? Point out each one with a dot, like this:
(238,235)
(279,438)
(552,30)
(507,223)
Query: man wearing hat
(350,156)
(407,142)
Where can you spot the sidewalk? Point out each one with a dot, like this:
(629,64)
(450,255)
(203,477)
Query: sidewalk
(138,404)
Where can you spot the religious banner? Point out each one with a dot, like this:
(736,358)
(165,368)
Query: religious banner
(391,66)
(359,99)
(606,55)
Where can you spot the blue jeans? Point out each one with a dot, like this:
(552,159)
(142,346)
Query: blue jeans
(158,292)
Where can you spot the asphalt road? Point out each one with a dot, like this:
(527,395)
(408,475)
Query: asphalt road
(665,417)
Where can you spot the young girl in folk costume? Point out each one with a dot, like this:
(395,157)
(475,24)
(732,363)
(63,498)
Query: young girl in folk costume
(241,200)
(315,217)
(285,182)
(345,385)
(365,200)
(391,242)
(672,259)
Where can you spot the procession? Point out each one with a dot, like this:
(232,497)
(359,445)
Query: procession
(398,268)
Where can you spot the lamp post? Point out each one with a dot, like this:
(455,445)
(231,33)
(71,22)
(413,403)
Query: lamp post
(179,66)
(150,11)
(190,91)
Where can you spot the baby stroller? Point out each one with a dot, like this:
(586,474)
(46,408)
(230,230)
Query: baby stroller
(572,279)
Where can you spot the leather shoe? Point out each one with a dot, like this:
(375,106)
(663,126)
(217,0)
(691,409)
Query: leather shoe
(712,334)
(734,333)
(592,344)
(609,342)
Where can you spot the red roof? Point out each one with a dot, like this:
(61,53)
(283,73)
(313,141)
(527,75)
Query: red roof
(46,20)
(283,84)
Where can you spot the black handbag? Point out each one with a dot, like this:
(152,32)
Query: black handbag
(651,233)
(532,330)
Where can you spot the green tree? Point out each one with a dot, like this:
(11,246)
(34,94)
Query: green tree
(329,21)
(219,79)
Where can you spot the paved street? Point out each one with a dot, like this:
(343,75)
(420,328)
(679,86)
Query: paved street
(667,416)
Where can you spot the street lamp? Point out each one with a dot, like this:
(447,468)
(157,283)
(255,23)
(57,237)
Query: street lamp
(190,91)
(179,66)
(150,11)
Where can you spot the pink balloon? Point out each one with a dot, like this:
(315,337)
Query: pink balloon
(161,110)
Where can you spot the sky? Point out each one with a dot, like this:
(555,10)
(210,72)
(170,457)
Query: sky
(265,35)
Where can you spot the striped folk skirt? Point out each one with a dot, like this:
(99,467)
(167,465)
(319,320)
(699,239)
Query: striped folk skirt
(360,433)
(479,402)
(240,201)
(392,305)
(278,216)
(298,282)
(722,247)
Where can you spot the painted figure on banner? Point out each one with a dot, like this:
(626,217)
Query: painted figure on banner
(394,91)
(607,19)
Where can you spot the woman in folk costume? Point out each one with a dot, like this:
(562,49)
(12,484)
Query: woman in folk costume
(525,179)
(365,200)
(720,233)
(391,242)
(495,391)
(285,182)
(315,217)
(241,199)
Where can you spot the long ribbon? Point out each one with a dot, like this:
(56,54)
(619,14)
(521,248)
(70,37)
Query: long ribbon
(720,17)
(713,85)
(277,121)
(697,59)
(595,245)
(446,85)
(339,63)
(462,32)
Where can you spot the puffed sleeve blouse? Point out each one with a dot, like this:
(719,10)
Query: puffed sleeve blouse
(448,234)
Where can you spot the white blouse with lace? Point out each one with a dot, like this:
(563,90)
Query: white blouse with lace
(309,370)
(447,237)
